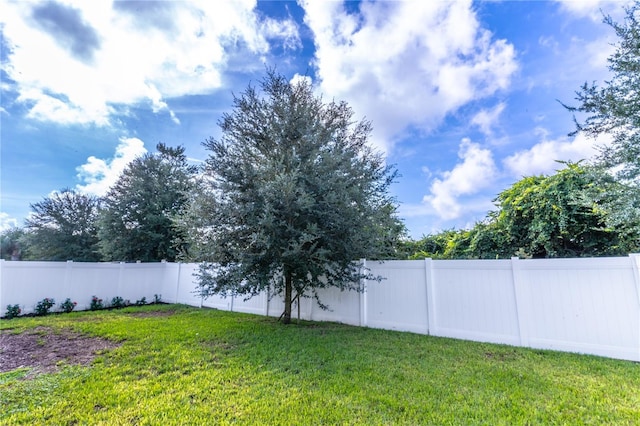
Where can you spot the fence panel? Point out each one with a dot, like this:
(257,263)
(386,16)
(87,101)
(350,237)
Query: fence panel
(185,289)
(475,300)
(90,279)
(343,306)
(582,305)
(140,280)
(399,302)
(26,283)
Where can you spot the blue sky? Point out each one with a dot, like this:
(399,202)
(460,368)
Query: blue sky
(463,96)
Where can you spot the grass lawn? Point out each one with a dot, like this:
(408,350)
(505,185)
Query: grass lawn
(201,366)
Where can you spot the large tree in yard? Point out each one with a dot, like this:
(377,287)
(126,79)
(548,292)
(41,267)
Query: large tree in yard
(292,195)
(139,210)
(63,226)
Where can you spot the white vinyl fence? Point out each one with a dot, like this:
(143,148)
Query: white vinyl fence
(587,305)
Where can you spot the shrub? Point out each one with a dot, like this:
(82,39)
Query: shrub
(141,302)
(13,311)
(43,306)
(157,298)
(96,303)
(68,306)
(118,302)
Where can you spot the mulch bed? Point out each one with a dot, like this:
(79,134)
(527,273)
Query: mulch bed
(44,349)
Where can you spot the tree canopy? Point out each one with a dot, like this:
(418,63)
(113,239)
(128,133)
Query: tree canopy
(561,215)
(63,227)
(137,220)
(12,244)
(613,108)
(292,195)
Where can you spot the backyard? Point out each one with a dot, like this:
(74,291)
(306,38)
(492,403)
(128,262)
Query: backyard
(172,364)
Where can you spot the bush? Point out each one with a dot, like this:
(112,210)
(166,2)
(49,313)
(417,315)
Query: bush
(96,303)
(118,302)
(141,302)
(68,306)
(157,298)
(43,306)
(12,311)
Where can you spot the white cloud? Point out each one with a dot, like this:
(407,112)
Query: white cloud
(99,175)
(406,64)
(139,52)
(7,222)
(286,30)
(542,158)
(593,9)
(486,119)
(476,171)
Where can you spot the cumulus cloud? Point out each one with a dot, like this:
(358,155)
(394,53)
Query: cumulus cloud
(99,175)
(542,158)
(7,222)
(593,9)
(486,119)
(83,62)
(67,28)
(476,171)
(406,64)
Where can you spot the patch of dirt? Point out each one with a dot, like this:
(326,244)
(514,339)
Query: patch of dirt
(44,349)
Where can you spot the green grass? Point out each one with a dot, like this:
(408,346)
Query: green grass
(202,366)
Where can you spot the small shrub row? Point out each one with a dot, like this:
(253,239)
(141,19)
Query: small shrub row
(44,306)
(118,302)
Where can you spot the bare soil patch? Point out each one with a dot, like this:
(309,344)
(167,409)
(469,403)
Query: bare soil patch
(44,349)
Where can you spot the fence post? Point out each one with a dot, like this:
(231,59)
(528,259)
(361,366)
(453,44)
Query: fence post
(521,296)
(120,279)
(428,282)
(363,294)
(2,286)
(635,266)
(67,276)
(178,281)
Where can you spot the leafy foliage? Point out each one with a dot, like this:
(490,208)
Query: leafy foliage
(13,311)
(68,306)
(615,107)
(63,227)
(547,216)
(137,221)
(44,306)
(96,303)
(562,215)
(118,302)
(292,195)
(12,244)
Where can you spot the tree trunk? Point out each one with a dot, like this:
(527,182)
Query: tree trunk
(288,290)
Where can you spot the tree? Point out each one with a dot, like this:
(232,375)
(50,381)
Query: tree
(12,245)
(293,195)
(614,109)
(558,215)
(137,220)
(63,227)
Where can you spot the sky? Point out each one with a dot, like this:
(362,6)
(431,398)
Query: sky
(464,96)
